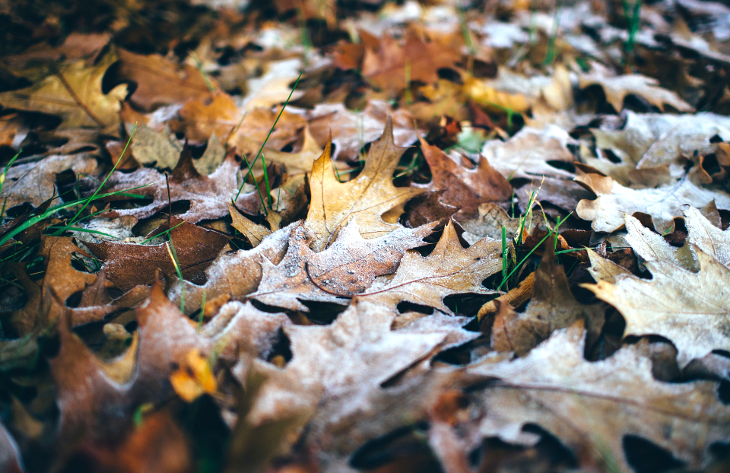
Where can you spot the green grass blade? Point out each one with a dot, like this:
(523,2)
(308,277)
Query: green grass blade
(271,130)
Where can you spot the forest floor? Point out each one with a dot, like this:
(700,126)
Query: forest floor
(361,235)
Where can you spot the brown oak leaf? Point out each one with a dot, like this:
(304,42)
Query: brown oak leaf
(73,92)
(208,196)
(128,265)
(581,403)
(449,269)
(344,269)
(464,188)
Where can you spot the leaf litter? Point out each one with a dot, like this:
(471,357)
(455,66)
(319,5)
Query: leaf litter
(365,236)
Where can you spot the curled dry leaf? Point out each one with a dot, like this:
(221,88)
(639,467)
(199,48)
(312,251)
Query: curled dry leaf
(364,199)
(581,404)
(449,269)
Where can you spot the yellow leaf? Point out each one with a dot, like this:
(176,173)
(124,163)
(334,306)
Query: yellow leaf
(194,377)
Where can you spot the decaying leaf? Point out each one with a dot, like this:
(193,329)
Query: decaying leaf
(344,269)
(75,94)
(449,269)
(663,204)
(689,308)
(580,403)
(364,199)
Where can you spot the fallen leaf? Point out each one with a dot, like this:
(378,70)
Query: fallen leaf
(208,196)
(74,93)
(350,131)
(449,269)
(157,148)
(363,200)
(663,204)
(337,374)
(617,88)
(344,269)
(128,265)
(530,152)
(581,404)
(689,308)
(35,183)
(159,80)
(464,188)
(194,377)
(551,307)
(236,274)
(387,66)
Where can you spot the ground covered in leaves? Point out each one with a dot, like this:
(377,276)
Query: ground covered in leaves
(309,235)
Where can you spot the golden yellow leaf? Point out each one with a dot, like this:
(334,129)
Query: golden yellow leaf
(194,377)
(364,199)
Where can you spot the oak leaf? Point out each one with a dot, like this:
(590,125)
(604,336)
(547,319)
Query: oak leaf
(235,274)
(208,196)
(552,307)
(350,131)
(75,94)
(347,267)
(530,152)
(159,80)
(364,199)
(581,403)
(663,203)
(128,265)
(386,66)
(464,188)
(449,269)
(689,308)
(35,183)
(617,88)
(338,378)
